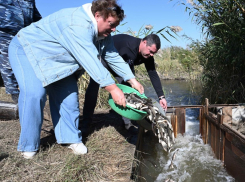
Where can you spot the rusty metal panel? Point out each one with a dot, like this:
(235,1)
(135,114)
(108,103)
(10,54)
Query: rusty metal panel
(234,165)
(212,136)
(174,124)
(222,145)
(204,136)
(237,143)
(228,136)
(237,152)
(219,118)
(208,139)
(217,142)
(180,113)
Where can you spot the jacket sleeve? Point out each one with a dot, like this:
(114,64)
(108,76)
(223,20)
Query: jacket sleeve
(36,15)
(79,43)
(115,61)
(155,80)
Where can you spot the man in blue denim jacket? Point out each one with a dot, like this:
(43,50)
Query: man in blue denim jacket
(46,57)
(14,15)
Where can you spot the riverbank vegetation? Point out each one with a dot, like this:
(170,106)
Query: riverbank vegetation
(174,63)
(222,53)
(171,63)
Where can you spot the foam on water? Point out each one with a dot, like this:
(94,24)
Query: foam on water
(194,161)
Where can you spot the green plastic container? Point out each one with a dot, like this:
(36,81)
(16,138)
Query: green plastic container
(128,111)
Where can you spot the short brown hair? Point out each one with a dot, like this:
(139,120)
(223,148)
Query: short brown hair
(108,8)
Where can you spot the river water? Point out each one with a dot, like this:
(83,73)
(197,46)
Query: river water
(194,161)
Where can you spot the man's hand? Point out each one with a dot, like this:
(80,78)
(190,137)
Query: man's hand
(163,104)
(136,85)
(116,94)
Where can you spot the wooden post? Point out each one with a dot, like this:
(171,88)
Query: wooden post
(220,138)
(180,113)
(207,124)
(206,104)
(176,126)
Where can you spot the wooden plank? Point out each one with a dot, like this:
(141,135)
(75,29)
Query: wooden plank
(207,131)
(200,106)
(173,123)
(8,111)
(170,110)
(210,118)
(185,107)
(222,105)
(180,113)
(176,126)
(212,115)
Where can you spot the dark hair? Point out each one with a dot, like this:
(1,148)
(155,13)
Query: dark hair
(108,8)
(153,39)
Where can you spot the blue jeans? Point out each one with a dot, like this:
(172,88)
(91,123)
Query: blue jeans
(63,101)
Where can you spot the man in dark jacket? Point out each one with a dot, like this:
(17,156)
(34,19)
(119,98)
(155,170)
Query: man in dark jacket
(134,51)
(14,15)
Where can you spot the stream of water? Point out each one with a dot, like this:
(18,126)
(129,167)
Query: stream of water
(194,161)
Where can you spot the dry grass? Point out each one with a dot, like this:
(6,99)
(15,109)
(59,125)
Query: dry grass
(102,101)
(109,158)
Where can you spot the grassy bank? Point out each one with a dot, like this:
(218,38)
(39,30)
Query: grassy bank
(109,156)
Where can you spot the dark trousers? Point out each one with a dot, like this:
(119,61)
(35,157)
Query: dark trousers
(92,94)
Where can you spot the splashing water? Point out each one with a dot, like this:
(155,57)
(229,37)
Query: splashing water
(194,161)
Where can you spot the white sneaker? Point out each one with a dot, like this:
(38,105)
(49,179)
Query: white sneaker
(28,155)
(78,148)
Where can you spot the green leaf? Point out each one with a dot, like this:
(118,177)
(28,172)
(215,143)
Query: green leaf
(171,34)
(160,30)
(123,24)
(218,24)
(165,37)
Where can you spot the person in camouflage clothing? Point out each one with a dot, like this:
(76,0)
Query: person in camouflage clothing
(14,15)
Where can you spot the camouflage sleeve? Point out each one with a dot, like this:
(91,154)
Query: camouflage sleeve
(36,15)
